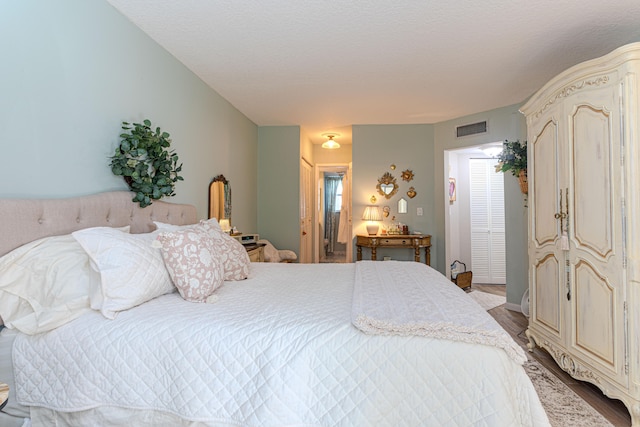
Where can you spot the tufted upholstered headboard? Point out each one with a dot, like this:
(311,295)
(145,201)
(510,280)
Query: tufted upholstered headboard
(25,220)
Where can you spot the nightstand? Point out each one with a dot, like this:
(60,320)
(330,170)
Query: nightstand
(255,251)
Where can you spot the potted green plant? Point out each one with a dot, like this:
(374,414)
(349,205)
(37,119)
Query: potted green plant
(143,159)
(513,158)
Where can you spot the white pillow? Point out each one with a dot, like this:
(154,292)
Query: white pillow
(45,284)
(132,271)
(193,262)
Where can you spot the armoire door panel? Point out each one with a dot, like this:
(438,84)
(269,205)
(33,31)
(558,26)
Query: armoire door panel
(595,218)
(594,302)
(545,184)
(591,150)
(547,293)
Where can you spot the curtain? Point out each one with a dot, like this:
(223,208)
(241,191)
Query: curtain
(331,218)
(343,227)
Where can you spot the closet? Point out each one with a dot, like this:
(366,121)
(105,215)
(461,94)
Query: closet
(584,223)
(486,188)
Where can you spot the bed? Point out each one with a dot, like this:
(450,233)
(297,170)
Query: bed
(364,344)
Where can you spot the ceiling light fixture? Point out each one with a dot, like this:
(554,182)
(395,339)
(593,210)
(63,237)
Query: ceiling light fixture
(330,144)
(492,151)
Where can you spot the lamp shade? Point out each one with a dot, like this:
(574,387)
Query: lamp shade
(330,143)
(372,213)
(225,224)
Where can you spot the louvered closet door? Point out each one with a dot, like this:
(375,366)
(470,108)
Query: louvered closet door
(487,222)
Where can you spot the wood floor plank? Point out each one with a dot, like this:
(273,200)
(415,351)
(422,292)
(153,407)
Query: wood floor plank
(515,324)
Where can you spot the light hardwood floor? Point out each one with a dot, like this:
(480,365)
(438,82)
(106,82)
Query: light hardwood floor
(515,323)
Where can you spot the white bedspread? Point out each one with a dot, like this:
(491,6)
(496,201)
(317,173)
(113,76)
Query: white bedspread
(276,349)
(399,298)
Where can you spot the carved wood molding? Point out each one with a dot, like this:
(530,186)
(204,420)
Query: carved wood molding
(570,90)
(571,366)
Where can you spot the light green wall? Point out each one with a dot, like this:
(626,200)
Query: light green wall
(375,148)
(503,123)
(71,71)
(279,186)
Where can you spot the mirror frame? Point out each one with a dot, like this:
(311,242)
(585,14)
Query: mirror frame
(387,179)
(402,206)
(220,198)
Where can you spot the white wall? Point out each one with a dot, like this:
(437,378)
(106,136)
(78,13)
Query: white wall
(72,71)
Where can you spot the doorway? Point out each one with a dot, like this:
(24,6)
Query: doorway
(474,221)
(333,214)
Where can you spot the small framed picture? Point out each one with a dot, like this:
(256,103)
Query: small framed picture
(452,190)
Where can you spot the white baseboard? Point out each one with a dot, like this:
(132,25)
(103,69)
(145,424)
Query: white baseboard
(513,307)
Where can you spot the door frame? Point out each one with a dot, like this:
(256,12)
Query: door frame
(320,169)
(451,247)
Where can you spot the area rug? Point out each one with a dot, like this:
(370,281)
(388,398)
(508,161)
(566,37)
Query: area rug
(487,300)
(563,406)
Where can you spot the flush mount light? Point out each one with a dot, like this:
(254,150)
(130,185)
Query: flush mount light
(492,150)
(330,144)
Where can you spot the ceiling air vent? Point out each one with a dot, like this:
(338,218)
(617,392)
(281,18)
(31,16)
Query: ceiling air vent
(472,129)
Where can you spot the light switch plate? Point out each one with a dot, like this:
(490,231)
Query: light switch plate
(420,212)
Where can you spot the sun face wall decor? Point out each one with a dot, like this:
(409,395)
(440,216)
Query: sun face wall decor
(407,175)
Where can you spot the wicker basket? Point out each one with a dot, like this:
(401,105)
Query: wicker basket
(524,185)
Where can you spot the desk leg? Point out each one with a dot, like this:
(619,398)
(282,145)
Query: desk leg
(359,253)
(373,254)
(416,255)
(427,255)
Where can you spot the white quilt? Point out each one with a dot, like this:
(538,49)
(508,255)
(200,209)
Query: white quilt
(276,349)
(399,298)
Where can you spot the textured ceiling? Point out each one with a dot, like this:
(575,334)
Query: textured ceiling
(326,65)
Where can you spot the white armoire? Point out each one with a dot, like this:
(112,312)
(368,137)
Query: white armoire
(584,222)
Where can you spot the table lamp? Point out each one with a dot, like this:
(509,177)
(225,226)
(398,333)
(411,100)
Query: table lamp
(371,214)
(225,225)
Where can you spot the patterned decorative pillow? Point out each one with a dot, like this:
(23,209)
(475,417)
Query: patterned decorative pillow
(162,226)
(234,256)
(193,262)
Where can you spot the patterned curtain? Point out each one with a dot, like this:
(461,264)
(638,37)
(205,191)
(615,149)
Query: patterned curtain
(331,218)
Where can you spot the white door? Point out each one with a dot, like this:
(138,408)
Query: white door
(349,214)
(487,222)
(306,212)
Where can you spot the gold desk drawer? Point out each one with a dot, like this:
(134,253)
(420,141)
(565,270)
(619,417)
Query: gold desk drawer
(395,242)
